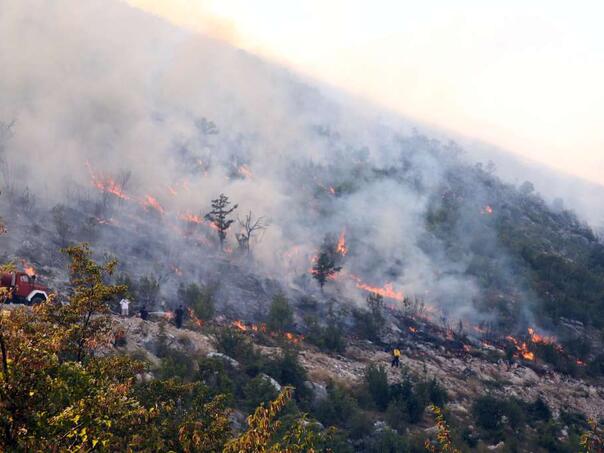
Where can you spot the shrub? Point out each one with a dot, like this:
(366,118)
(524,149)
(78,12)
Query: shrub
(280,315)
(376,381)
(199,299)
(574,420)
(328,338)
(213,374)
(396,415)
(539,410)
(363,325)
(147,289)
(177,364)
(547,437)
(386,441)
(430,391)
(257,391)
(360,425)
(409,403)
(489,412)
(287,371)
(337,408)
(235,344)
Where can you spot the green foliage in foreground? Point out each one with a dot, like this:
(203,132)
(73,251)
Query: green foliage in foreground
(57,394)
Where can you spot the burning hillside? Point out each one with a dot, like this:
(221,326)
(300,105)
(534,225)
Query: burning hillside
(268,232)
(400,207)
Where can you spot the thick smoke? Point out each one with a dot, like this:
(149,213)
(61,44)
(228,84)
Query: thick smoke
(100,91)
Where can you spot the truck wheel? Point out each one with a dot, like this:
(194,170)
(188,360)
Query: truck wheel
(37,299)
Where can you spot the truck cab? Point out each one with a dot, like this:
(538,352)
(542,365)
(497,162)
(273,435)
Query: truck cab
(25,288)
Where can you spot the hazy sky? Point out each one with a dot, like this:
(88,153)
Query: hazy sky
(524,75)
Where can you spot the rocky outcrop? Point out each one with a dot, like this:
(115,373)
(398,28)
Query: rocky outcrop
(465,377)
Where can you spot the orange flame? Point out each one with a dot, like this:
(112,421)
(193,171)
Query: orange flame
(107,185)
(168,315)
(192,218)
(387,291)
(341,247)
(296,339)
(240,325)
(260,328)
(488,210)
(177,270)
(412,329)
(245,171)
(292,252)
(198,322)
(528,355)
(152,202)
(522,349)
(536,338)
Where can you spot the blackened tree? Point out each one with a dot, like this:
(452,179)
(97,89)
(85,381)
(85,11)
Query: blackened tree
(250,226)
(219,216)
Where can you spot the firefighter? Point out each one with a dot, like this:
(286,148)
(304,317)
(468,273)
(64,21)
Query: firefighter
(179,315)
(396,356)
(144,313)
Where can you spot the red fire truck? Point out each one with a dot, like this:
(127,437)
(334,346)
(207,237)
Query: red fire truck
(24,287)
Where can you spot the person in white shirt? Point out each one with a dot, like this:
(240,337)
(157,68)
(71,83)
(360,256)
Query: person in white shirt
(124,304)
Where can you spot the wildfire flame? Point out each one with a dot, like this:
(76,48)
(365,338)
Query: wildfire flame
(192,218)
(168,315)
(295,250)
(536,338)
(239,325)
(245,171)
(387,291)
(177,270)
(488,210)
(291,337)
(151,202)
(341,247)
(198,322)
(522,349)
(412,329)
(107,185)
(260,328)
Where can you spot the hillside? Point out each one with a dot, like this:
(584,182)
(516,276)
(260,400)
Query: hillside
(467,375)
(306,233)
